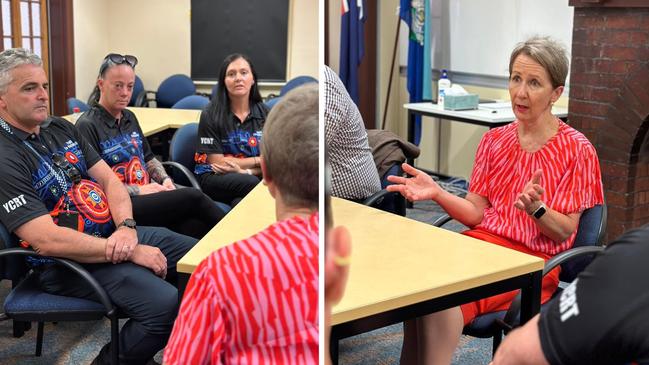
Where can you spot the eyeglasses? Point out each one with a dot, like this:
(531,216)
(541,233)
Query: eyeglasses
(117,59)
(69,169)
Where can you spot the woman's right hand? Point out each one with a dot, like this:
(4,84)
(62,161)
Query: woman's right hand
(418,187)
(152,188)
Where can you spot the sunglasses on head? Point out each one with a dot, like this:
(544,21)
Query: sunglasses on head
(117,59)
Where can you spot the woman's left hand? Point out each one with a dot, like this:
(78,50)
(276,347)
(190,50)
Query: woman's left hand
(227,166)
(530,198)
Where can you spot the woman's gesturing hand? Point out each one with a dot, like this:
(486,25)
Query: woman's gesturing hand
(418,187)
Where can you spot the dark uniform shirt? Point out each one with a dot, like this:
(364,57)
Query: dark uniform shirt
(603,316)
(229,137)
(122,145)
(32,185)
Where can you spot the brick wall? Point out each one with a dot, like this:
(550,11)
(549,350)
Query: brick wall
(609,103)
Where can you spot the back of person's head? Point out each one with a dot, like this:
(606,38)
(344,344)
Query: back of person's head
(548,53)
(289,147)
(12,58)
(221,99)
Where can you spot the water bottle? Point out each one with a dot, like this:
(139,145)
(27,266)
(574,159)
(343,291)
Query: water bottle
(442,85)
(76,113)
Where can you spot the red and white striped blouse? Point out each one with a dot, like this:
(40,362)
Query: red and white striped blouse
(253,302)
(571,179)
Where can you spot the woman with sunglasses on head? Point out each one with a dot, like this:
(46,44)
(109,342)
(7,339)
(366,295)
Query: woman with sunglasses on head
(115,133)
(229,133)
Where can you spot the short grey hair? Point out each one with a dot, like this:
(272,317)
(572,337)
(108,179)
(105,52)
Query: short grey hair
(549,53)
(12,58)
(289,146)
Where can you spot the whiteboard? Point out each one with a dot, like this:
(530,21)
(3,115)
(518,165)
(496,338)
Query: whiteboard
(477,36)
(484,32)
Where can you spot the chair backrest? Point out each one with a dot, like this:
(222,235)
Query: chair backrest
(76,103)
(174,88)
(271,102)
(191,102)
(295,82)
(590,232)
(138,88)
(183,147)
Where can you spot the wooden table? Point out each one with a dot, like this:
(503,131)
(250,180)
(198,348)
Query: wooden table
(253,213)
(154,120)
(402,269)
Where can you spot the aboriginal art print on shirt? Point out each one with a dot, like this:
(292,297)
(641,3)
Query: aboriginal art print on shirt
(57,192)
(124,155)
(238,143)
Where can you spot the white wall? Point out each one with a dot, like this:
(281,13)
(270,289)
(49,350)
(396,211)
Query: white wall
(459,141)
(158,33)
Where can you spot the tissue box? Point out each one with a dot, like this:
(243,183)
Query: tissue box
(461,102)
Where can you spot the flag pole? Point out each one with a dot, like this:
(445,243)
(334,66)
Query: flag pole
(394,55)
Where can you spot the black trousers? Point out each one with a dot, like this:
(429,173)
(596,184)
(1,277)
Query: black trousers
(150,302)
(185,210)
(227,188)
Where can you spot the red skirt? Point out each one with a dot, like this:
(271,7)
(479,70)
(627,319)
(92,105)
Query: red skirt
(501,302)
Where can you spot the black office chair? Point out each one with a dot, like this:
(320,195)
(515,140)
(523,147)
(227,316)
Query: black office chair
(588,242)
(28,303)
(385,200)
(181,159)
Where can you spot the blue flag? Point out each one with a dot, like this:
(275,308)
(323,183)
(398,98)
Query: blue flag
(416,15)
(351,44)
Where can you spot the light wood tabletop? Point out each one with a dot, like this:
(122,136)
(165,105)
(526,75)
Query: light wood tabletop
(254,213)
(396,262)
(154,120)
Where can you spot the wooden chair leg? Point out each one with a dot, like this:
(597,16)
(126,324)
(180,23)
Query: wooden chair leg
(39,339)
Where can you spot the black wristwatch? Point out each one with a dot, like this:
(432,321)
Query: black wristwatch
(538,213)
(128,222)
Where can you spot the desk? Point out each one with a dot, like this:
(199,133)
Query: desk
(402,269)
(154,120)
(482,116)
(253,213)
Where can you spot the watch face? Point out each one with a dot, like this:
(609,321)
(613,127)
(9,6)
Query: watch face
(130,223)
(539,212)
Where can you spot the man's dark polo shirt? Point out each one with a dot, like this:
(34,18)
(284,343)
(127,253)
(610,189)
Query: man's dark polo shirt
(31,185)
(122,145)
(229,137)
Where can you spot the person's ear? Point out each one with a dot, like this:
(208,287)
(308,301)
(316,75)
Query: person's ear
(266,179)
(556,94)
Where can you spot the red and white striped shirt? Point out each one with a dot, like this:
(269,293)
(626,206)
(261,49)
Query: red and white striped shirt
(571,179)
(253,302)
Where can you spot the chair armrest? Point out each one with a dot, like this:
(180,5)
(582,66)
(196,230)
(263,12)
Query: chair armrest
(375,199)
(72,266)
(185,171)
(509,321)
(439,222)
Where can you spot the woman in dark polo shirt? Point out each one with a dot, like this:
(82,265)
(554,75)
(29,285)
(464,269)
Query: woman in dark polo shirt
(115,133)
(229,133)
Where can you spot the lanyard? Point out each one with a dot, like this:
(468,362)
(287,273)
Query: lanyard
(59,175)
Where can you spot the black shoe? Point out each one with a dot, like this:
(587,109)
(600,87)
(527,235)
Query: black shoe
(103,358)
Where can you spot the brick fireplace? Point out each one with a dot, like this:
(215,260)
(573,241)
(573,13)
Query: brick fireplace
(609,101)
